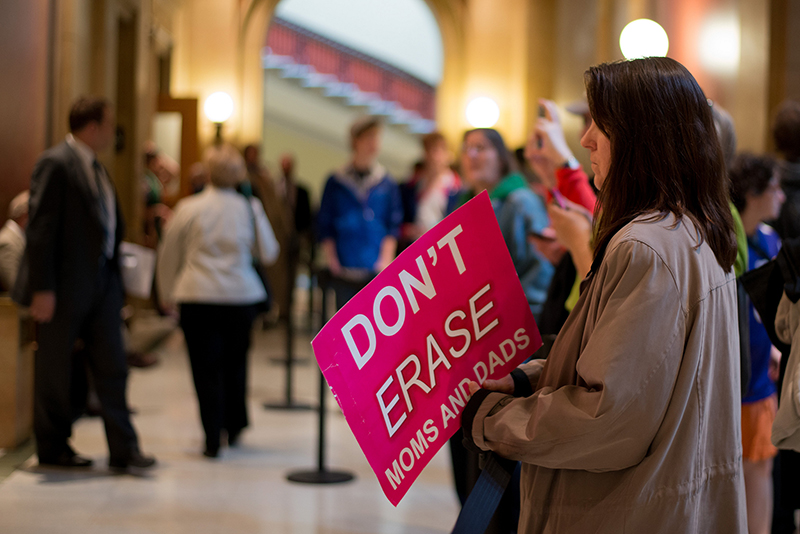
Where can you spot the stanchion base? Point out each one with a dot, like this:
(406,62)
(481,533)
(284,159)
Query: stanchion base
(288,406)
(320,477)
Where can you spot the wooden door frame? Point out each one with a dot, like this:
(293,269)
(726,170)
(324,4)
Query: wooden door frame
(187,107)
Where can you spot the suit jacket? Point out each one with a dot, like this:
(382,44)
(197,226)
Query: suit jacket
(12,246)
(64,250)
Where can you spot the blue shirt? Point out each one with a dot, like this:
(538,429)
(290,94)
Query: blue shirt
(761,247)
(359,215)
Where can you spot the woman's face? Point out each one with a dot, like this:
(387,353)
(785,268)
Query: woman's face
(480,162)
(599,153)
(767,205)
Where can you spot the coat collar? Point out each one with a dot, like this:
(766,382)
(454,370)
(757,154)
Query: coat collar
(360,186)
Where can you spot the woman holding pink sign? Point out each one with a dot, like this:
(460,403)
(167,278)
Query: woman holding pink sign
(633,422)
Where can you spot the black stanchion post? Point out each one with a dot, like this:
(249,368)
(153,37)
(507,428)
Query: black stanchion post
(321,475)
(289,403)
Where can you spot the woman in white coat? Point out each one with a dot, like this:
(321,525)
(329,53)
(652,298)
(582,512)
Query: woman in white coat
(205,266)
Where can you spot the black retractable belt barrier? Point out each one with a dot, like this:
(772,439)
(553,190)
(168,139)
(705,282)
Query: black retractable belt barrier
(482,502)
(321,475)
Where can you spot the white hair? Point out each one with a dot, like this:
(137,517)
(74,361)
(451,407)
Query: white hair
(226,166)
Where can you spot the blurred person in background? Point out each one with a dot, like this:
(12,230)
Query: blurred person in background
(551,158)
(487,165)
(198,177)
(786,134)
(571,213)
(70,278)
(205,266)
(756,193)
(297,204)
(360,214)
(431,191)
(156,212)
(12,240)
(260,183)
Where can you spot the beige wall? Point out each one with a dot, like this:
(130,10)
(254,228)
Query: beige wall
(44,72)
(512,50)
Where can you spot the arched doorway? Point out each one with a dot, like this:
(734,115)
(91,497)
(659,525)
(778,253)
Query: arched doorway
(327,63)
(451,18)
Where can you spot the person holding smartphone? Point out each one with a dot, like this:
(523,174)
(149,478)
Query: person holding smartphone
(571,206)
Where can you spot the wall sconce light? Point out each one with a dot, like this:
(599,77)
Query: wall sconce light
(218,108)
(720,43)
(483,112)
(643,38)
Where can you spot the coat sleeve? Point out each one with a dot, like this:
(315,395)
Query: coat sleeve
(171,254)
(626,372)
(46,210)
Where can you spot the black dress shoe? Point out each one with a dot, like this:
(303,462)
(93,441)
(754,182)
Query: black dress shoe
(66,459)
(136,460)
(211,453)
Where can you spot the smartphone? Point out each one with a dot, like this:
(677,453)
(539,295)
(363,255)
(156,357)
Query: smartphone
(550,236)
(541,236)
(559,198)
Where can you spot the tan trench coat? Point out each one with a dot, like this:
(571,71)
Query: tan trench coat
(634,425)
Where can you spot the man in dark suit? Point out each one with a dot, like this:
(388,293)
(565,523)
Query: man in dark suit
(70,278)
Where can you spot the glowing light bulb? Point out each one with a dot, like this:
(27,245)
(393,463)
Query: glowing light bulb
(218,107)
(483,112)
(720,43)
(643,38)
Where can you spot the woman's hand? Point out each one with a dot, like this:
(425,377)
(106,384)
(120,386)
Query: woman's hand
(774,364)
(573,226)
(574,229)
(547,149)
(548,246)
(502,385)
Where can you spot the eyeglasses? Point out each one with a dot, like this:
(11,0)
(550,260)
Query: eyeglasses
(474,149)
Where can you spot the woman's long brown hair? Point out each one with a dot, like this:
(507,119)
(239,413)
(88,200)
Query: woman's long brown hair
(665,156)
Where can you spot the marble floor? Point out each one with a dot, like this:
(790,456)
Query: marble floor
(245,491)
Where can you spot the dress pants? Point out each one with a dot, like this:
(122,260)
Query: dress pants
(218,338)
(94,318)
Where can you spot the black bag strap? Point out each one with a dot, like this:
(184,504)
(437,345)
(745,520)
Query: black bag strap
(482,502)
(255,248)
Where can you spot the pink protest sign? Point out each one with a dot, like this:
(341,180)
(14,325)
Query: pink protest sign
(400,354)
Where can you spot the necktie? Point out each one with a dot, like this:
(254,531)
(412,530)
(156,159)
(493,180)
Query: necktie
(102,208)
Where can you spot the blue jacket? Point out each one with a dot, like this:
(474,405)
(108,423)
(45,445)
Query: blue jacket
(358,214)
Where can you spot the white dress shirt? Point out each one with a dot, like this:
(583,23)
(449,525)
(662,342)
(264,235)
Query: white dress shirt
(206,255)
(88,157)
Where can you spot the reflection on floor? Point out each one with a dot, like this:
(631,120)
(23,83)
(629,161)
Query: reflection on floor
(243,492)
